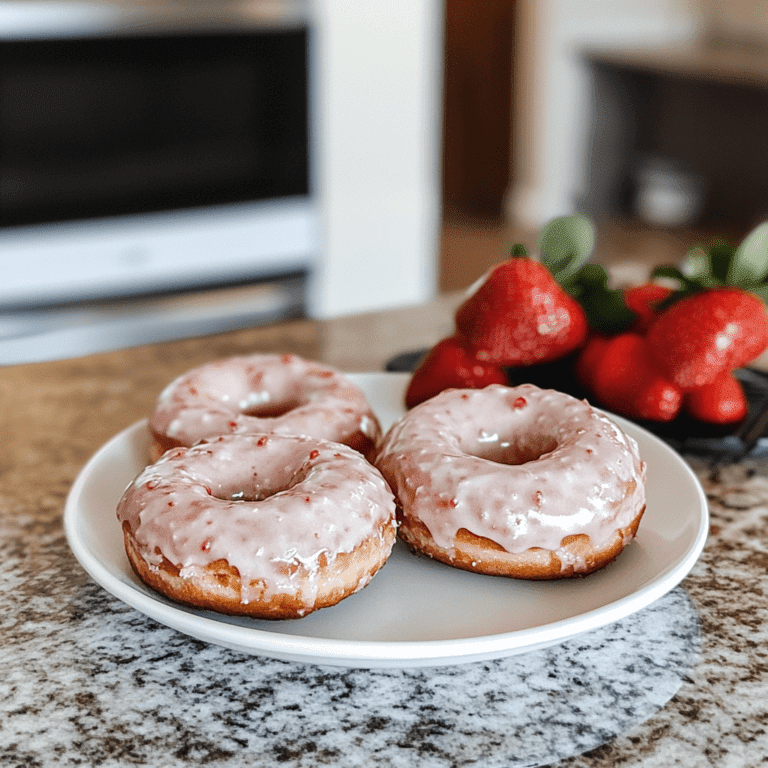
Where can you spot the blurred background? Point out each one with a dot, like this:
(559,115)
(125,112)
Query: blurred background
(647,115)
(177,168)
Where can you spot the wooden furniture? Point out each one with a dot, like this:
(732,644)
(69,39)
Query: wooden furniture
(703,106)
(477,105)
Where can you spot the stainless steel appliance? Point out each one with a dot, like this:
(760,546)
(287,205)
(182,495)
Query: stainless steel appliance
(152,149)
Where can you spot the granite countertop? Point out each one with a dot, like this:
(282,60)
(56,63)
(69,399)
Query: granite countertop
(87,680)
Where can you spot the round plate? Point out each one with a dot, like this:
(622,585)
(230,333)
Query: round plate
(415,612)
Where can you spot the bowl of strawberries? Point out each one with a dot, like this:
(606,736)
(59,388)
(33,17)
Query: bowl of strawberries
(675,354)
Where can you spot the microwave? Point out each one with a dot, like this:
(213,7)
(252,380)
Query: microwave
(146,150)
(152,147)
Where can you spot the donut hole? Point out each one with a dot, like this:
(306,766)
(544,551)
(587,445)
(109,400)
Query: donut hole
(256,467)
(513,451)
(272,409)
(245,495)
(240,493)
(256,488)
(246,492)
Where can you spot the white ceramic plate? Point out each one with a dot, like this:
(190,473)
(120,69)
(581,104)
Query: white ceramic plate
(415,612)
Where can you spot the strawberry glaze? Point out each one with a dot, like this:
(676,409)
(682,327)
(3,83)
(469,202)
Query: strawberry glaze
(283,394)
(521,466)
(263,503)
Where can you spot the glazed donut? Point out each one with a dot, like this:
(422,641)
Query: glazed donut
(263,393)
(268,526)
(514,481)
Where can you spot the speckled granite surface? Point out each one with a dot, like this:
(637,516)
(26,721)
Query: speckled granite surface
(86,680)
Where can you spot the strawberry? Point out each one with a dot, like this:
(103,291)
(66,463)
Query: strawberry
(519,315)
(643,300)
(626,379)
(707,333)
(450,363)
(588,358)
(721,402)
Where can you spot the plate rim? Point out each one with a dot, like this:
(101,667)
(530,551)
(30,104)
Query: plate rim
(375,653)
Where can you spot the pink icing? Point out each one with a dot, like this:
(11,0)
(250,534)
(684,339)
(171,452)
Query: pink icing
(263,393)
(259,502)
(522,466)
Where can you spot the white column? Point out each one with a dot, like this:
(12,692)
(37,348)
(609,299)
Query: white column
(379,98)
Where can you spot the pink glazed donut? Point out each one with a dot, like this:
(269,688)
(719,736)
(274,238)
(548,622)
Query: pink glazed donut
(514,481)
(268,526)
(263,393)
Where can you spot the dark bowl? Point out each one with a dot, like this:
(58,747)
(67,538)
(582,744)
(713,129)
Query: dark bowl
(685,434)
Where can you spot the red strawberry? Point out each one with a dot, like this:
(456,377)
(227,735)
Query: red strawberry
(626,379)
(721,402)
(702,335)
(519,315)
(588,358)
(450,363)
(643,300)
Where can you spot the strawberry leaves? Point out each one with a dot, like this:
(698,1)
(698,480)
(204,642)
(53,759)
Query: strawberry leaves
(604,307)
(718,264)
(749,265)
(565,247)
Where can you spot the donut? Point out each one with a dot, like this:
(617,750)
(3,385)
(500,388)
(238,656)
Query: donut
(267,526)
(514,481)
(284,394)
